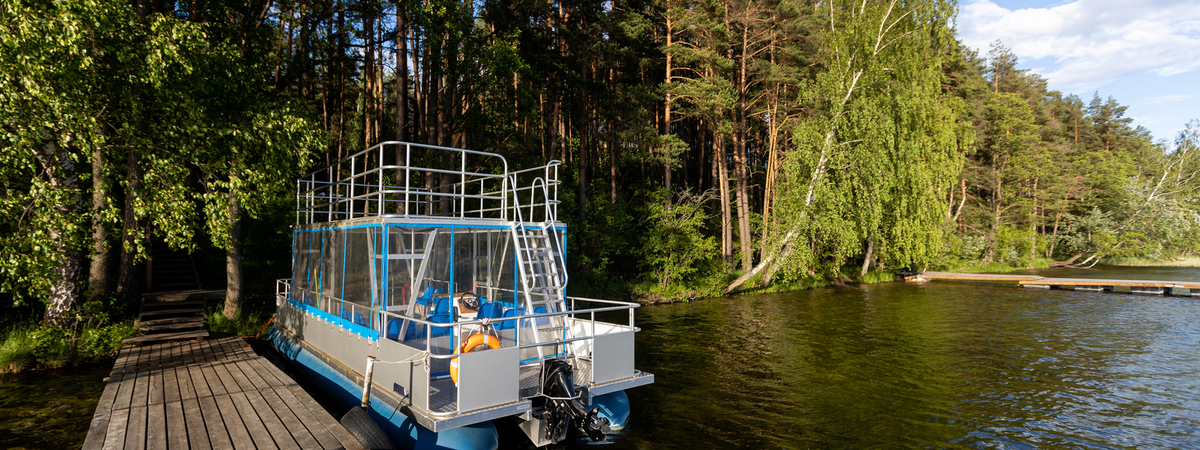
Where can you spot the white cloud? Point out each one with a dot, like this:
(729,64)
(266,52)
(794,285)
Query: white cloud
(1093,42)
(1164,99)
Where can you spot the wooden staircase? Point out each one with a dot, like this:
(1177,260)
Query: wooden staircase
(173,307)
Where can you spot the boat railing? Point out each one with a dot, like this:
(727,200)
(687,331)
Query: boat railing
(402,179)
(583,327)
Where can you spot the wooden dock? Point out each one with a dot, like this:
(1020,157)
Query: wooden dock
(1188,288)
(208,394)
(930,276)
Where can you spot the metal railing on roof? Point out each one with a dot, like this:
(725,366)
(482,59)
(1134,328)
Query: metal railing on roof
(401,179)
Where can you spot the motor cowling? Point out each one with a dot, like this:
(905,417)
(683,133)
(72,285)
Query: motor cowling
(563,409)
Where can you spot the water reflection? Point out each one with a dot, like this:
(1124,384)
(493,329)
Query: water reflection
(937,365)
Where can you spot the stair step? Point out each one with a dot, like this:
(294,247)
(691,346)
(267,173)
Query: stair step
(147,306)
(172,320)
(172,327)
(167,312)
(166,337)
(552,328)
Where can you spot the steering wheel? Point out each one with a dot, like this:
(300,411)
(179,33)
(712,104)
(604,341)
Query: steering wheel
(469,300)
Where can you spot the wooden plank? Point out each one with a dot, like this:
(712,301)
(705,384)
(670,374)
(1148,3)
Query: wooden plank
(254,424)
(977,276)
(141,389)
(135,430)
(314,426)
(163,312)
(166,336)
(99,426)
(279,433)
(125,391)
(156,426)
(170,304)
(177,435)
(336,429)
(218,436)
(231,385)
(115,440)
(1109,282)
(272,374)
(233,423)
(214,380)
(289,419)
(170,384)
(235,374)
(156,387)
(198,382)
(184,378)
(194,419)
(252,375)
(163,327)
(156,322)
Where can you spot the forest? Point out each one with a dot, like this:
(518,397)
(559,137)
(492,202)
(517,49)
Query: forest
(708,146)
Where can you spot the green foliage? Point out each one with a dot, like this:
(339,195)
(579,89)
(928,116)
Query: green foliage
(676,249)
(244,324)
(31,346)
(887,142)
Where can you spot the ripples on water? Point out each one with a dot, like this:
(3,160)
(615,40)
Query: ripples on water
(889,365)
(49,409)
(937,365)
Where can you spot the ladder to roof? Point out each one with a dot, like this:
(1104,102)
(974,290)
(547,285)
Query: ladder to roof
(542,270)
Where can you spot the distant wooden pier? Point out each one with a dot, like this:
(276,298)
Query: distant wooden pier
(208,394)
(1188,288)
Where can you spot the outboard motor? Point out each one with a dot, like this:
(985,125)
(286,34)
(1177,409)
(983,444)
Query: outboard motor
(562,406)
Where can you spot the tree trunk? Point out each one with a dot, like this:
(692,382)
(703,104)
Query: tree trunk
(98,283)
(867,260)
(401,74)
(726,213)
(128,284)
(740,159)
(64,289)
(233,261)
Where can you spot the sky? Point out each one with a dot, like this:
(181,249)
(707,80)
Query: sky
(1143,53)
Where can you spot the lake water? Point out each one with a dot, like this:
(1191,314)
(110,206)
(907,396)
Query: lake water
(939,365)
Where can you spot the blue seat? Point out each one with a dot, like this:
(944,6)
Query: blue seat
(441,305)
(491,311)
(359,319)
(415,331)
(345,314)
(393,329)
(510,324)
(441,331)
(427,296)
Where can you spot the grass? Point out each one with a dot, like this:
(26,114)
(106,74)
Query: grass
(976,267)
(1185,261)
(32,346)
(243,324)
(878,276)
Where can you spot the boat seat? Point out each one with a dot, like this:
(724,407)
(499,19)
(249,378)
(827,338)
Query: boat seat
(441,306)
(345,314)
(393,329)
(359,319)
(510,324)
(440,331)
(491,310)
(541,321)
(430,291)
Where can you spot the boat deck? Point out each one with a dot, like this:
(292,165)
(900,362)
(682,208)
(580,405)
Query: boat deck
(208,394)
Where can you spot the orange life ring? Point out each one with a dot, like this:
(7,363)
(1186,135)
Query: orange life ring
(474,341)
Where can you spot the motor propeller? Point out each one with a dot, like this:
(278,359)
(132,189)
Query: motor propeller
(563,408)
